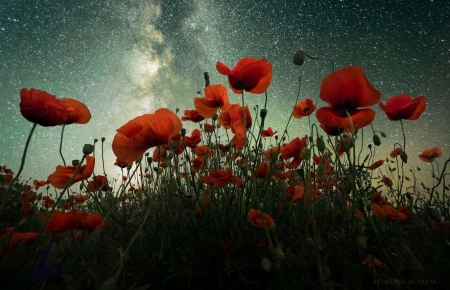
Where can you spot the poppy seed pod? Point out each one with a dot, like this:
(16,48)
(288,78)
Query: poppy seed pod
(376,140)
(404,157)
(75,162)
(263,113)
(320,145)
(299,57)
(183,132)
(88,149)
(215,117)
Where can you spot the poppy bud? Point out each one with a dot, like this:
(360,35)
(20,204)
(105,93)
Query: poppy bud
(103,139)
(306,153)
(177,110)
(218,125)
(301,172)
(174,145)
(383,134)
(376,140)
(361,242)
(252,157)
(95,140)
(434,214)
(149,159)
(183,132)
(266,264)
(263,113)
(321,170)
(88,149)
(408,195)
(75,162)
(370,146)
(404,157)
(299,57)
(320,145)
(215,116)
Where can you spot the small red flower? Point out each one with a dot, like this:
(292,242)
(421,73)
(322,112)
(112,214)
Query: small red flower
(14,240)
(268,132)
(64,173)
(387,181)
(194,139)
(430,154)
(249,74)
(209,128)
(255,217)
(144,132)
(294,149)
(46,110)
(216,97)
(192,115)
(304,108)
(404,107)
(376,165)
(396,152)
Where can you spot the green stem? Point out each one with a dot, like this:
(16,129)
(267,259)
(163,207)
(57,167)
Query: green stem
(60,144)
(21,166)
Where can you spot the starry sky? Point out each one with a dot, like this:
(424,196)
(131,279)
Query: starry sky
(124,58)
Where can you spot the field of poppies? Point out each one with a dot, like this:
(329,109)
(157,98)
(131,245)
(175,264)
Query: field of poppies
(232,204)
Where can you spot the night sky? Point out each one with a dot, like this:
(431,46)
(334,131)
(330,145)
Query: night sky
(124,58)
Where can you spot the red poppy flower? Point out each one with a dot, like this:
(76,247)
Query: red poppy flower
(268,132)
(209,128)
(197,164)
(250,74)
(334,122)
(263,170)
(300,194)
(216,97)
(396,152)
(48,202)
(304,108)
(255,217)
(403,214)
(233,114)
(345,91)
(62,222)
(63,174)
(194,139)
(99,182)
(239,137)
(38,183)
(221,178)
(387,181)
(192,115)
(203,151)
(403,106)
(144,132)
(294,149)
(376,164)
(120,163)
(79,197)
(430,154)
(14,240)
(46,110)
(374,263)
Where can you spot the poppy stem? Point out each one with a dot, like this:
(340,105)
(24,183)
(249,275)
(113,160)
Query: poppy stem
(290,117)
(60,144)
(319,58)
(21,166)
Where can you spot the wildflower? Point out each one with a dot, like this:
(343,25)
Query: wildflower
(249,74)
(197,164)
(263,170)
(216,97)
(402,214)
(99,182)
(63,174)
(120,163)
(48,202)
(376,164)
(268,132)
(233,114)
(144,132)
(11,241)
(38,183)
(304,108)
(294,149)
(346,91)
(255,217)
(192,115)
(239,137)
(62,222)
(209,128)
(387,181)
(404,107)
(374,263)
(46,110)
(221,178)
(430,154)
(302,193)
(193,140)
(79,197)
(397,151)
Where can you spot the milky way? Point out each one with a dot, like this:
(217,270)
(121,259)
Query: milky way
(126,58)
